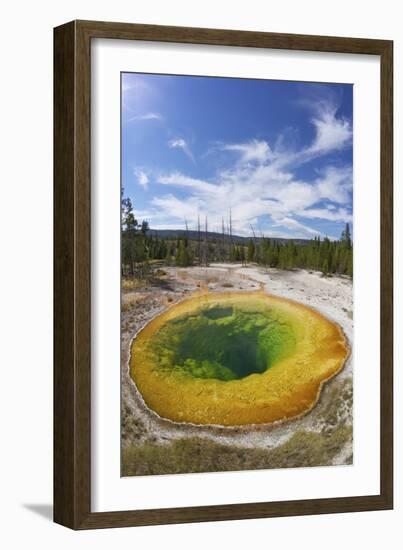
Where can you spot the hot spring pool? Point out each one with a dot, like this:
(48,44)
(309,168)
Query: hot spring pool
(235,358)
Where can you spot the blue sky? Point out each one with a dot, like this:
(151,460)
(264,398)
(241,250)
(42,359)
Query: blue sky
(278,154)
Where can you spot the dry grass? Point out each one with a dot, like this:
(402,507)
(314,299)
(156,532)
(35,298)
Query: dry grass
(132,427)
(130,300)
(211,279)
(194,454)
(336,403)
(154,276)
(134,283)
(183,275)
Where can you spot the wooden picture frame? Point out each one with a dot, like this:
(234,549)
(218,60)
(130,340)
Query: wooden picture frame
(72,270)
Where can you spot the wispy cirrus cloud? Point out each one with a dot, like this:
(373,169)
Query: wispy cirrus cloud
(330,213)
(293,224)
(336,183)
(142,178)
(180,143)
(145,116)
(267,185)
(136,93)
(332,133)
(262,196)
(253,151)
(140,100)
(180,180)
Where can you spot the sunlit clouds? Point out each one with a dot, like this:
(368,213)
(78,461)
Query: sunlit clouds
(180,143)
(271,185)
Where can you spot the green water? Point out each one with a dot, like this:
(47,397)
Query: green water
(224,343)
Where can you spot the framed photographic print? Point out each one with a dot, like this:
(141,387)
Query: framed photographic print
(223,275)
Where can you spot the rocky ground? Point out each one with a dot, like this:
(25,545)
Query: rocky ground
(321,437)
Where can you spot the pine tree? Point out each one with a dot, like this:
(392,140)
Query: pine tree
(243,256)
(183,256)
(349,267)
(346,236)
(180,255)
(168,255)
(144,227)
(251,251)
(129,231)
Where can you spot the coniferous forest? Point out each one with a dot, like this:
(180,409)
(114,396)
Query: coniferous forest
(141,248)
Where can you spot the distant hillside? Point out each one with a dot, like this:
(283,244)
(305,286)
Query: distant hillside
(211,236)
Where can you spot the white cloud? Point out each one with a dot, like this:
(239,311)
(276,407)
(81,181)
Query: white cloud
(142,178)
(332,133)
(180,143)
(145,116)
(253,151)
(178,179)
(261,195)
(292,224)
(330,213)
(173,226)
(336,184)
(261,187)
(138,96)
(171,207)
(132,82)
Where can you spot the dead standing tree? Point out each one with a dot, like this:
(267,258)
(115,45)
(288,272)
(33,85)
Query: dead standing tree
(256,258)
(199,253)
(222,252)
(230,236)
(205,242)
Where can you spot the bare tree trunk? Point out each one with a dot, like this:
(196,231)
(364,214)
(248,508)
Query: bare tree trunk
(230,234)
(205,244)
(199,239)
(222,258)
(255,243)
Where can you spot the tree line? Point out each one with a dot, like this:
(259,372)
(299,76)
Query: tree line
(140,248)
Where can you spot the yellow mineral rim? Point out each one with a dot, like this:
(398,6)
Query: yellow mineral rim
(316,350)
